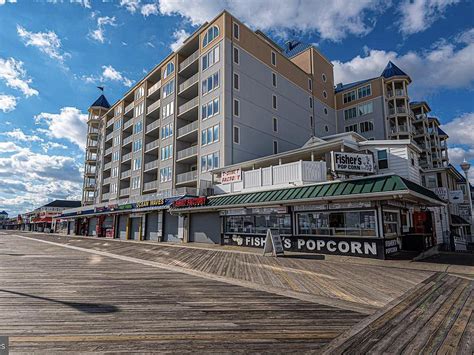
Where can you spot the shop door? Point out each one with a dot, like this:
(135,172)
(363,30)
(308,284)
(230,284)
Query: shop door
(122,227)
(170,232)
(70,227)
(135,228)
(152,226)
(92,225)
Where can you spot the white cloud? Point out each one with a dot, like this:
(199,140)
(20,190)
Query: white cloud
(18,135)
(14,76)
(445,65)
(461,129)
(70,124)
(7,103)
(131,5)
(109,73)
(52,145)
(419,15)
(99,33)
(333,20)
(179,37)
(9,147)
(47,42)
(149,9)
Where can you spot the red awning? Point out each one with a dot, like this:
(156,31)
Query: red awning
(43,220)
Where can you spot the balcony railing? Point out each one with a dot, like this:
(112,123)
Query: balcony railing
(127,140)
(125,174)
(152,185)
(93,130)
(110,123)
(154,88)
(189,82)
(152,126)
(107,166)
(106,181)
(109,136)
(188,152)
(105,196)
(186,177)
(151,165)
(153,107)
(401,109)
(399,129)
(108,151)
(152,145)
(188,128)
(128,124)
(128,108)
(399,92)
(125,191)
(189,60)
(188,105)
(126,157)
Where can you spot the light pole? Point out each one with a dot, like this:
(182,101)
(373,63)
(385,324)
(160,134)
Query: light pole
(465,166)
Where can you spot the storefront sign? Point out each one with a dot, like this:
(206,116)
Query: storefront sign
(464,211)
(269,210)
(310,208)
(441,192)
(273,243)
(234,212)
(391,246)
(190,202)
(364,247)
(151,203)
(349,205)
(456,196)
(352,162)
(230,176)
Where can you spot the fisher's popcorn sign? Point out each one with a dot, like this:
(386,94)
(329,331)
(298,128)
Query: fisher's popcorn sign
(352,163)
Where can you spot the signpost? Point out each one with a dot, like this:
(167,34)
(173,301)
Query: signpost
(273,243)
(352,163)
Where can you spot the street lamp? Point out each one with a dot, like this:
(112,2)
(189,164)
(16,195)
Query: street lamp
(465,166)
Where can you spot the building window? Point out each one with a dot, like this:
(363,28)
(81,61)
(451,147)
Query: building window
(137,163)
(310,85)
(350,113)
(211,33)
(274,102)
(326,111)
(209,162)
(113,188)
(168,89)
(137,145)
(168,109)
(138,110)
(367,126)
(275,147)
(236,107)
(326,128)
(116,141)
(351,128)
(118,110)
(324,77)
(236,55)
(325,94)
(364,91)
(165,174)
(210,109)
(274,79)
(137,127)
(349,96)
(236,81)
(382,158)
(139,92)
(366,108)
(210,58)
(117,124)
(236,135)
(169,69)
(167,131)
(275,124)
(236,31)
(210,83)
(114,172)
(311,121)
(115,156)
(274,58)
(167,152)
(210,135)
(135,182)
(310,102)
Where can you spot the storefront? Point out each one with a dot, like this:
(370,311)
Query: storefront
(368,217)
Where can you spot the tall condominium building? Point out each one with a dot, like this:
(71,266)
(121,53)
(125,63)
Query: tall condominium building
(227,95)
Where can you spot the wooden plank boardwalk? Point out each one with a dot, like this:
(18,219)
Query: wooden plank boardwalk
(368,286)
(435,318)
(55,299)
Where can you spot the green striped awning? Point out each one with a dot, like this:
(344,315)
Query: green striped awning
(354,188)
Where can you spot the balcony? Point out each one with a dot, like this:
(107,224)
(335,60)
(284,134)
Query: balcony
(90,172)
(151,165)
(125,191)
(127,124)
(188,106)
(110,123)
(107,166)
(154,89)
(152,145)
(106,181)
(153,107)
(400,92)
(128,108)
(126,157)
(188,61)
(152,126)
(189,83)
(399,129)
(152,185)
(420,117)
(105,196)
(401,109)
(188,177)
(108,151)
(189,132)
(128,140)
(93,131)
(109,136)
(187,153)
(126,174)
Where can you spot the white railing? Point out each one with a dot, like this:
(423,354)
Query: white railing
(154,88)
(152,145)
(188,128)
(189,60)
(151,165)
(128,108)
(153,107)
(399,92)
(125,191)
(189,82)
(188,105)
(107,166)
(152,185)
(152,126)
(188,152)
(128,140)
(105,196)
(186,177)
(126,157)
(109,136)
(108,151)
(125,174)
(110,123)
(106,181)
(128,124)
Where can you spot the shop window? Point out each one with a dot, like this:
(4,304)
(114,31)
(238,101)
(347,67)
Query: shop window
(382,158)
(258,224)
(341,223)
(390,223)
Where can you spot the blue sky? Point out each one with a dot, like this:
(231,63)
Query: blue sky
(54,54)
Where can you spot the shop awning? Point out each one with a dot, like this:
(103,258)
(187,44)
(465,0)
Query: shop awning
(458,221)
(370,188)
(43,220)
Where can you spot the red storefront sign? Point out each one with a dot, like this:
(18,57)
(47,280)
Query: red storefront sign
(190,202)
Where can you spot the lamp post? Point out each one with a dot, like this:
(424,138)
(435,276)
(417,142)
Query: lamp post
(465,166)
